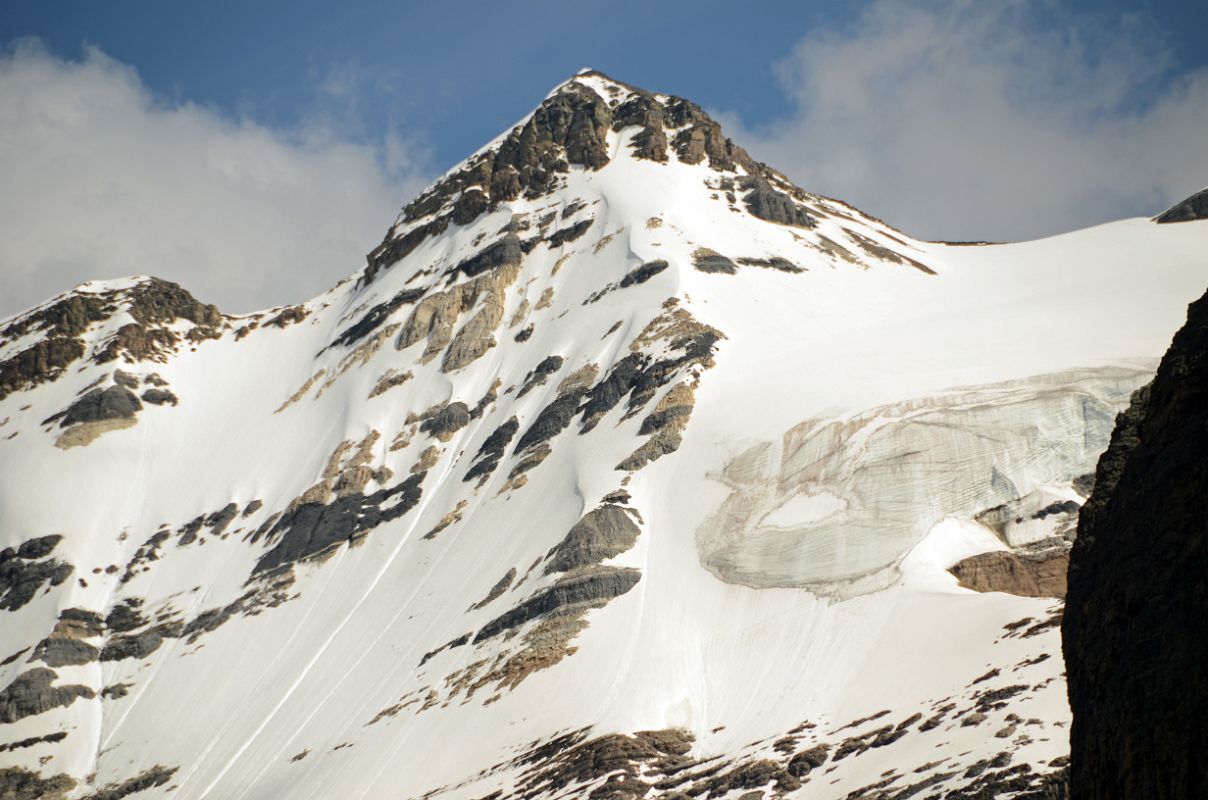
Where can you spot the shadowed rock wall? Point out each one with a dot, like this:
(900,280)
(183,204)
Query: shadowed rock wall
(1137,608)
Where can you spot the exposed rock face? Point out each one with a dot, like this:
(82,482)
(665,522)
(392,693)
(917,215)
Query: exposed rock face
(312,528)
(602,533)
(707,260)
(576,594)
(159,397)
(667,763)
(537,377)
(21,784)
(643,273)
(125,616)
(25,569)
(491,451)
(116,402)
(376,316)
(690,345)
(153,303)
(65,645)
(389,380)
(574,760)
(1193,208)
(434,318)
(1039,574)
(807,761)
(289,315)
(31,694)
(1134,622)
(504,252)
(553,419)
(883,253)
(42,362)
(30,741)
(775,262)
(664,426)
(447,421)
(139,645)
(769,204)
(548,620)
(497,590)
(148,779)
(62,322)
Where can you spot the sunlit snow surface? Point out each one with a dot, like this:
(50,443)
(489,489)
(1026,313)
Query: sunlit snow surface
(792,553)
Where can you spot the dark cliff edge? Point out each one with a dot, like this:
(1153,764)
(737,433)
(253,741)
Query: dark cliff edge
(1193,208)
(1137,608)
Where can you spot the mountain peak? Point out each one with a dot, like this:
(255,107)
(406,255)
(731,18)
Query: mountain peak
(585,124)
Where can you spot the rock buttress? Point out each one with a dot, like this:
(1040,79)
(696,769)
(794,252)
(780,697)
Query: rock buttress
(1138,593)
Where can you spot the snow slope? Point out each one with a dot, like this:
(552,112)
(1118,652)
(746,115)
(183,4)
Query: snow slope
(616,432)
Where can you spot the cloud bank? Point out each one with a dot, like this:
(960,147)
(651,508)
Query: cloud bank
(989,120)
(103,179)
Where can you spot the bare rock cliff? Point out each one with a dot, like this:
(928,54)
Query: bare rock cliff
(1134,625)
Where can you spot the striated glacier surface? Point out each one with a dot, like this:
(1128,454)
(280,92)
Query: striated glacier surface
(834,505)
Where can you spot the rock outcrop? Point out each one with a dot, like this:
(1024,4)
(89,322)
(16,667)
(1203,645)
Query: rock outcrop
(31,694)
(1134,623)
(1028,574)
(25,569)
(56,331)
(1193,208)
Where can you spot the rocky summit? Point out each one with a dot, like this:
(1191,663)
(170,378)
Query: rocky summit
(622,468)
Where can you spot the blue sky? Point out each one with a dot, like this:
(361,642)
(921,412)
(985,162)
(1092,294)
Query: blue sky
(455,73)
(952,119)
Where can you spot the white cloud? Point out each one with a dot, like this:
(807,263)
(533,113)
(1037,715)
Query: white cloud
(102,179)
(968,119)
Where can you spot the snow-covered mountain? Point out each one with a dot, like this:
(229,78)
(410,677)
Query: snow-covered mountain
(623,468)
